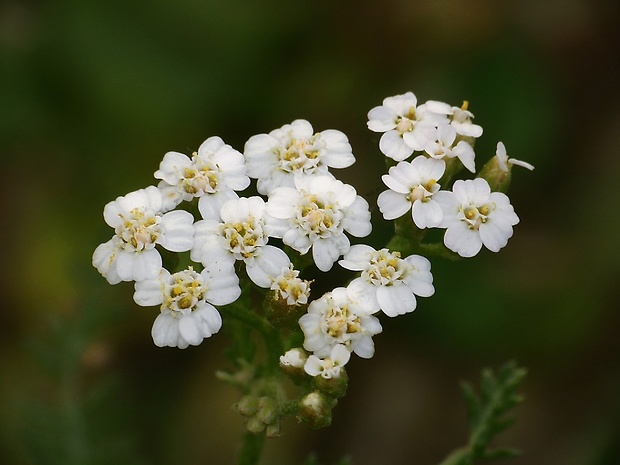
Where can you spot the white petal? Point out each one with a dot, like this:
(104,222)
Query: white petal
(392,145)
(358,257)
(462,240)
(338,151)
(365,294)
(267,265)
(150,292)
(281,203)
(178,233)
(210,205)
(427,214)
(396,300)
(392,204)
(493,236)
(313,366)
(364,347)
(171,166)
(357,218)
(325,252)
(104,259)
(466,154)
(165,332)
(221,282)
(340,355)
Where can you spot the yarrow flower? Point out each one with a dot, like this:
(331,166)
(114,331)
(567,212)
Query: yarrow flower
(460,117)
(411,188)
(139,226)
(474,216)
(240,235)
(186,317)
(406,126)
(212,174)
(387,282)
(328,367)
(290,288)
(446,145)
(337,319)
(275,159)
(315,215)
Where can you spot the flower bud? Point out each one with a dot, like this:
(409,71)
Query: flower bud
(247,406)
(267,410)
(497,175)
(254,425)
(335,387)
(316,409)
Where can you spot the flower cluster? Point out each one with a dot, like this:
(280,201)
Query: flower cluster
(443,136)
(258,242)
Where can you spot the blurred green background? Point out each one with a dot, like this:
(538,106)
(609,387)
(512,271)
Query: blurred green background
(93,93)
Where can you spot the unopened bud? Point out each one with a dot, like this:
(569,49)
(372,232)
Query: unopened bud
(254,425)
(497,175)
(335,387)
(247,406)
(267,410)
(316,409)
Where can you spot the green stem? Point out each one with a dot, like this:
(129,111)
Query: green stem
(272,338)
(251,448)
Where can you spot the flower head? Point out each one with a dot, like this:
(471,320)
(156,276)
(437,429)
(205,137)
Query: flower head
(411,188)
(328,367)
(139,226)
(241,235)
(406,126)
(387,282)
(290,288)
(315,215)
(337,319)
(186,317)
(474,216)
(460,118)
(212,174)
(446,145)
(275,159)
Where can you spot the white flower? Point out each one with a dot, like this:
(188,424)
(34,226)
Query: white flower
(290,287)
(213,173)
(506,163)
(294,358)
(131,254)
(474,216)
(328,367)
(275,159)
(337,319)
(406,126)
(443,147)
(460,117)
(315,215)
(241,235)
(186,318)
(411,188)
(387,282)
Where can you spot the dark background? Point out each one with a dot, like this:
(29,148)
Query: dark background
(93,93)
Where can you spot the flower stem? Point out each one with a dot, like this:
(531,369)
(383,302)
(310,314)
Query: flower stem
(251,448)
